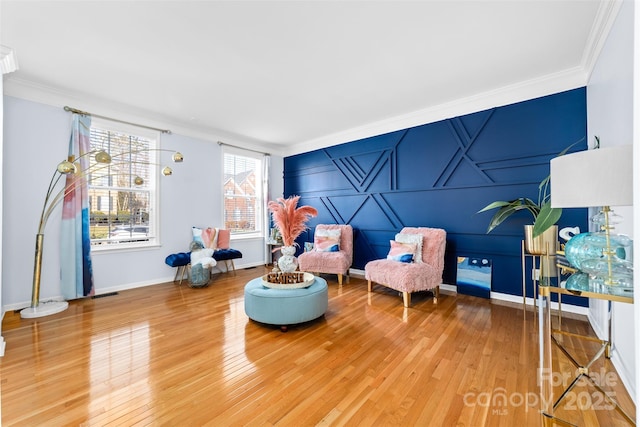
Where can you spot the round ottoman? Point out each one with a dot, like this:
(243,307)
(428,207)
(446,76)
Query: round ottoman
(285,306)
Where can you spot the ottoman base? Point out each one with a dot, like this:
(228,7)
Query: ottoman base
(283,307)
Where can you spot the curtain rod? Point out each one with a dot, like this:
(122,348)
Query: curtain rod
(84,113)
(242,148)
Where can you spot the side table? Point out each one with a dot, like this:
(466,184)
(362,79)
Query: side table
(271,255)
(547,339)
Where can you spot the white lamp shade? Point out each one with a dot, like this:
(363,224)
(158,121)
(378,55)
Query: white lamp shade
(591,178)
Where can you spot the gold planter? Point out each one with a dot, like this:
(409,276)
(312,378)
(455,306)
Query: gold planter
(544,244)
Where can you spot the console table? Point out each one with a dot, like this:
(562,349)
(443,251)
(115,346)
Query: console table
(547,338)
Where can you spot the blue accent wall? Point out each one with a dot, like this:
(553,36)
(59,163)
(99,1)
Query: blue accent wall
(439,175)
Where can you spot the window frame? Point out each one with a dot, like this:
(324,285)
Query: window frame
(152,186)
(260,184)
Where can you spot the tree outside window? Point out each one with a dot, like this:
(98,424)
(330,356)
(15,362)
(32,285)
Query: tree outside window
(122,195)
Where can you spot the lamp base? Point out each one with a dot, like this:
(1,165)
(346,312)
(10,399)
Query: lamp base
(44,309)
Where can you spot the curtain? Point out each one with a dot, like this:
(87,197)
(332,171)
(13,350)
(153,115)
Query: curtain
(75,243)
(266,196)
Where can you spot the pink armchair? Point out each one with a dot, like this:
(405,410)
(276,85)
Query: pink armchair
(330,262)
(415,276)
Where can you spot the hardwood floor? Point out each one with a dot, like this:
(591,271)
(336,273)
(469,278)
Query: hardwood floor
(176,356)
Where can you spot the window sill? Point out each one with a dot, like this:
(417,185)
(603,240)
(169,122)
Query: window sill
(252,236)
(109,249)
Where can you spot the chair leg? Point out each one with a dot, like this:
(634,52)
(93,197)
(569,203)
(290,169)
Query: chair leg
(340,279)
(437,293)
(226,266)
(183,271)
(406,299)
(368,285)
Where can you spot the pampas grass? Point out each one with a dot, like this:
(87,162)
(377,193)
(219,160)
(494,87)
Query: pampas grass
(291,221)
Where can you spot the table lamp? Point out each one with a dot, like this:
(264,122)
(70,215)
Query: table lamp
(597,178)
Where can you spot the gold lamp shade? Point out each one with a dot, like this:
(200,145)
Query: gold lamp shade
(178,157)
(103,157)
(66,167)
(167,171)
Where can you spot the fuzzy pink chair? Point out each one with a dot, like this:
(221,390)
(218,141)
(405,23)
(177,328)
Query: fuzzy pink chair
(330,262)
(414,276)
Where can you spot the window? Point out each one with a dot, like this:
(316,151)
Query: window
(122,194)
(243,191)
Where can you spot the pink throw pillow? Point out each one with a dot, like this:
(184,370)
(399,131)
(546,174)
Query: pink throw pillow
(224,239)
(209,237)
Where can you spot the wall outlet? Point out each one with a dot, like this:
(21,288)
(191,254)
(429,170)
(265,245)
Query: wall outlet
(535,274)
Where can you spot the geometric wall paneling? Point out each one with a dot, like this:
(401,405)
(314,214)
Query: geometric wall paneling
(439,175)
(464,138)
(342,209)
(364,249)
(374,214)
(362,170)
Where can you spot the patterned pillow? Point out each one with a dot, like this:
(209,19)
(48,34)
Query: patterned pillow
(403,252)
(208,237)
(327,240)
(412,238)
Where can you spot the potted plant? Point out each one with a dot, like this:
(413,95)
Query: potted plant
(543,233)
(545,217)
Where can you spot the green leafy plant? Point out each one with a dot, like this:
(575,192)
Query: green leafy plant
(544,216)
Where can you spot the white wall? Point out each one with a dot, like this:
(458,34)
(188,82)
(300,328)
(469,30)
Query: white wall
(636,185)
(36,139)
(2,311)
(610,117)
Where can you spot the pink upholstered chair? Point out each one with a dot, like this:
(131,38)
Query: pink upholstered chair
(330,262)
(414,276)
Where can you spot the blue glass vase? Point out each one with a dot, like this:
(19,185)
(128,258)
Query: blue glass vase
(592,246)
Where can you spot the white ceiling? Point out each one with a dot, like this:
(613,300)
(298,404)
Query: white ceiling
(293,75)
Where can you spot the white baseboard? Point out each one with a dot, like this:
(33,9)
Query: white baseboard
(25,304)
(353,272)
(569,308)
(626,375)
(118,288)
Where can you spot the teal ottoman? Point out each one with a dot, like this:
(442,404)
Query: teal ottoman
(285,307)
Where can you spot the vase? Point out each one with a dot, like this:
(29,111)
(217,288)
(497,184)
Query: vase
(592,246)
(288,263)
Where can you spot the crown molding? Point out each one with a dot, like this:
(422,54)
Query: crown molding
(43,94)
(547,85)
(8,60)
(534,88)
(604,20)
(565,80)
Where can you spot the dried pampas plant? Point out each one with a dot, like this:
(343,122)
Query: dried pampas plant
(291,221)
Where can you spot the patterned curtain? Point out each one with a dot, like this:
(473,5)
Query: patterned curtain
(266,197)
(75,250)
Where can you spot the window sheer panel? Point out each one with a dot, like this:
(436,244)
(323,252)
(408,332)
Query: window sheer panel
(243,198)
(122,194)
